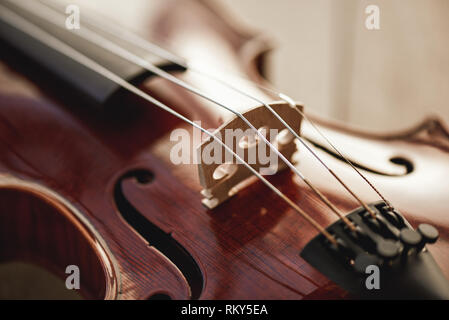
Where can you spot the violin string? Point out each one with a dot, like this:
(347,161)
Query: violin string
(50,15)
(330,143)
(300,139)
(291,101)
(124,34)
(130,37)
(36,32)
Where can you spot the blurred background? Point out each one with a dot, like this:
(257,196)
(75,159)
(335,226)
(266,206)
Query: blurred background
(379,79)
(324,56)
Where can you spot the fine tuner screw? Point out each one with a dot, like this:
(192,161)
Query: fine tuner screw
(388,249)
(429,234)
(410,239)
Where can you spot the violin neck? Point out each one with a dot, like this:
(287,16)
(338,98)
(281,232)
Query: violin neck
(92,88)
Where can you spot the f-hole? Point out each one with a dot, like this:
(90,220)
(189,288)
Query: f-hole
(159,239)
(407,164)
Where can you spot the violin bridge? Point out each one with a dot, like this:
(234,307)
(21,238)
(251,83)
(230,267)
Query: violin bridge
(221,175)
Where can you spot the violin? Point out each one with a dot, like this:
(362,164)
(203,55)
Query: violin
(117,179)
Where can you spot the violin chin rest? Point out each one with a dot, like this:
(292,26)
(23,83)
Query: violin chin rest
(384,258)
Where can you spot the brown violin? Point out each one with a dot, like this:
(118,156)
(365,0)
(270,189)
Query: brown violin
(159,163)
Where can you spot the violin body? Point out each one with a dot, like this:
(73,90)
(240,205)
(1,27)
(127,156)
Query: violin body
(96,188)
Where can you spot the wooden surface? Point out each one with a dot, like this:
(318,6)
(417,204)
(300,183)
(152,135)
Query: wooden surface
(114,168)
